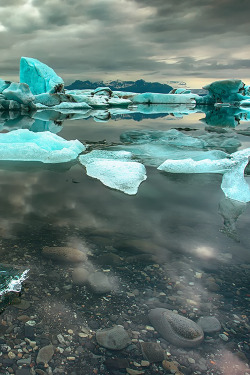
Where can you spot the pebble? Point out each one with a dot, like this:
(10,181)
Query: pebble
(191,360)
(83,335)
(223,337)
(11,355)
(145,363)
(131,371)
(170,367)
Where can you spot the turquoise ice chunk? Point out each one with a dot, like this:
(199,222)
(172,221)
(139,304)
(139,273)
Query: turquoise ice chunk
(40,77)
(24,145)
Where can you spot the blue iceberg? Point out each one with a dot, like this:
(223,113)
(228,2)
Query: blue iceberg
(115,169)
(20,92)
(24,145)
(225,91)
(40,77)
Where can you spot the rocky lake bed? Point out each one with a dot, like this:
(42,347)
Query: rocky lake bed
(60,324)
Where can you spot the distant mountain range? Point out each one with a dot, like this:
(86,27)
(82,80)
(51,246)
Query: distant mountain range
(130,86)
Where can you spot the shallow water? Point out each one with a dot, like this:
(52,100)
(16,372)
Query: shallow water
(179,243)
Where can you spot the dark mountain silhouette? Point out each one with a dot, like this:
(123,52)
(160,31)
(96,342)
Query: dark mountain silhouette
(137,86)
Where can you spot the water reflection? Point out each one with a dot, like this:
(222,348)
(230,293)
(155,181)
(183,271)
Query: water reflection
(225,116)
(52,120)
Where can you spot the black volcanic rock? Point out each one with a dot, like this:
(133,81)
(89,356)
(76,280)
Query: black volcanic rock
(137,86)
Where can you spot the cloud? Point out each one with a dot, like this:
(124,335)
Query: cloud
(127,39)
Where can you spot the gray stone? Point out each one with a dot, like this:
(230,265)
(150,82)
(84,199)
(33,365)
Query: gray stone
(80,275)
(209,324)
(175,328)
(223,337)
(24,361)
(45,354)
(115,338)
(64,254)
(100,283)
(152,351)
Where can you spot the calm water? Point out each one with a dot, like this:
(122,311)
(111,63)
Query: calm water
(178,243)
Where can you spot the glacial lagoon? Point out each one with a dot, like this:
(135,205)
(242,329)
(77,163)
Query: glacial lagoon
(99,258)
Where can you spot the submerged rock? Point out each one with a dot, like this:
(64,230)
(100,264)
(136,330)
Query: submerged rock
(175,328)
(115,338)
(100,283)
(209,324)
(40,77)
(45,354)
(64,254)
(80,275)
(152,351)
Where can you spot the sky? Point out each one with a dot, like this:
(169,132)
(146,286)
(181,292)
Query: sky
(195,41)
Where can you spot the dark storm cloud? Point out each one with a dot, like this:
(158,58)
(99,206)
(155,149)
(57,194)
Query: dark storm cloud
(125,39)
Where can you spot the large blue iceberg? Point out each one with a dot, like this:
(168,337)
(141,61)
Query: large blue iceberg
(40,77)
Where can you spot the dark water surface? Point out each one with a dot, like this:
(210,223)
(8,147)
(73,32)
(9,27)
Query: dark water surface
(179,243)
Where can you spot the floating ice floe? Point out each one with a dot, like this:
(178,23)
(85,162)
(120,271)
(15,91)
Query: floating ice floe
(153,147)
(40,77)
(24,145)
(232,167)
(115,169)
(152,98)
(11,279)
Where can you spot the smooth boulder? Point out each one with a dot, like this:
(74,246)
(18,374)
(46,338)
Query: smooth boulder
(64,254)
(115,338)
(175,328)
(209,324)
